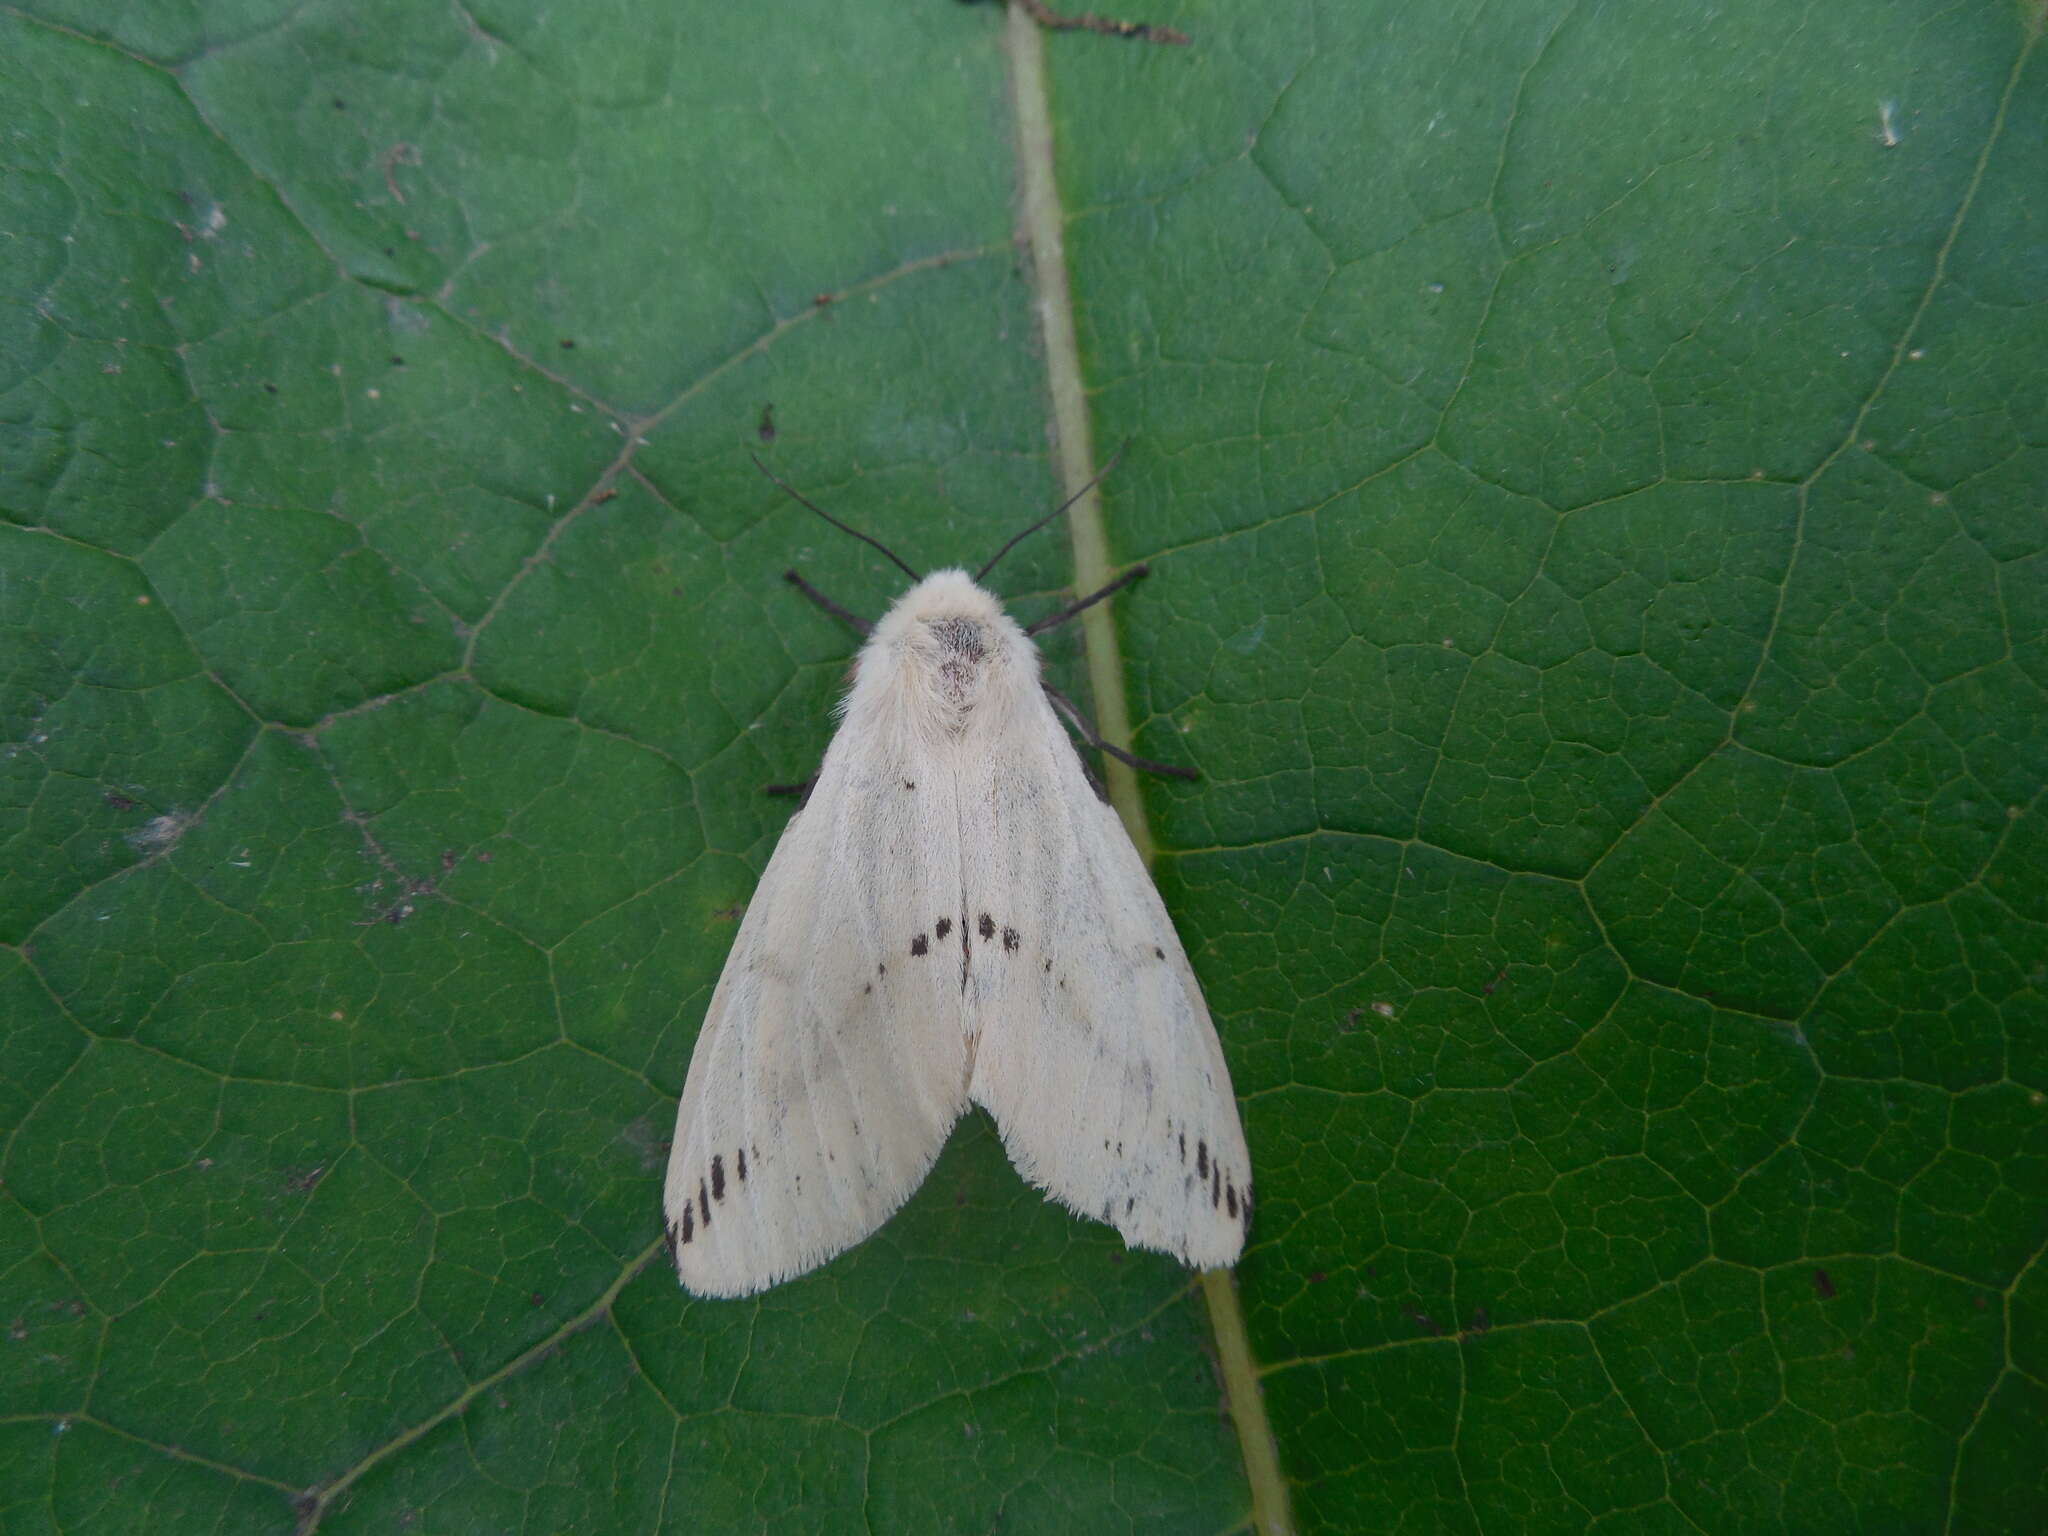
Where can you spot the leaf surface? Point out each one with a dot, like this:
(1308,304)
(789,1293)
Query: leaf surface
(1590,464)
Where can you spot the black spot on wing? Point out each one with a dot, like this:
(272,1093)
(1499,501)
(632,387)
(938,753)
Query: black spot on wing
(919,945)
(1230,1198)
(1011,940)
(1183,1146)
(717,1177)
(704,1203)
(987,925)
(1201,1159)
(743,1165)
(943,926)
(668,1236)
(1216,1187)
(910,783)
(689,1223)
(1158,953)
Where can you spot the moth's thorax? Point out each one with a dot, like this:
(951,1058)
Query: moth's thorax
(946,660)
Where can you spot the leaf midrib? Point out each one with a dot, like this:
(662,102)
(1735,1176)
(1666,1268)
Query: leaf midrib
(1041,225)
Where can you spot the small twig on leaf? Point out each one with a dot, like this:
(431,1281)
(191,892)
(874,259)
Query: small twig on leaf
(1136,31)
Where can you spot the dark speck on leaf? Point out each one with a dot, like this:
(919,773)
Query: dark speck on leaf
(566,344)
(1424,1321)
(117,802)
(1316,1277)
(1481,1321)
(1823,1286)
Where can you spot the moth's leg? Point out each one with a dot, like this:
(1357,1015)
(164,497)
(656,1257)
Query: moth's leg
(1087,733)
(1054,620)
(1094,779)
(858,623)
(801,791)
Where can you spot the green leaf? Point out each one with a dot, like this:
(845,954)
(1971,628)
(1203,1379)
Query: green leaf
(1590,461)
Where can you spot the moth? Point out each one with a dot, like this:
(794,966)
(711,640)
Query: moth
(953,916)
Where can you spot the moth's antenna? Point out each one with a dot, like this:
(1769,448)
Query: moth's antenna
(864,538)
(1055,512)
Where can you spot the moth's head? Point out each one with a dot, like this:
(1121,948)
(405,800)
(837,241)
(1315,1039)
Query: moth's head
(946,617)
(949,640)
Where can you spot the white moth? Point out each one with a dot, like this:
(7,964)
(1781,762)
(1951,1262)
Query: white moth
(952,917)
